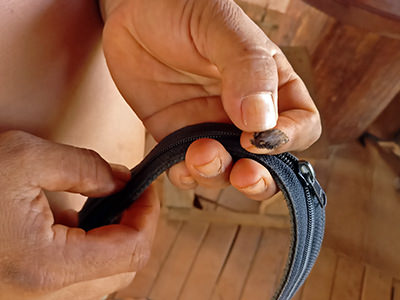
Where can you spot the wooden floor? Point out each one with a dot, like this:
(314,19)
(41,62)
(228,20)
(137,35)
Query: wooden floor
(359,259)
(200,262)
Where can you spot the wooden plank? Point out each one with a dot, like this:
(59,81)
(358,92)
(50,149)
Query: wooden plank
(377,285)
(348,280)
(165,237)
(384,8)
(233,277)
(177,266)
(381,242)
(209,262)
(353,90)
(358,17)
(264,274)
(227,217)
(318,285)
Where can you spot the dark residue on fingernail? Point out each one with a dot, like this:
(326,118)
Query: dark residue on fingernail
(269,139)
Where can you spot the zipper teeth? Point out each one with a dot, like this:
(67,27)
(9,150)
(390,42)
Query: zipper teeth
(185,140)
(306,257)
(290,161)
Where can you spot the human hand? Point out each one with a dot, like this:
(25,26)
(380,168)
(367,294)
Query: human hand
(40,258)
(182,62)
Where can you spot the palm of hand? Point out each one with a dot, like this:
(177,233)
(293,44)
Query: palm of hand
(160,71)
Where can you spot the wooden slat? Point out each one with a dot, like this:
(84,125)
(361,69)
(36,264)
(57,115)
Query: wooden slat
(377,285)
(232,279)
(177,266)
(267,265)
(318,285)
(209,262)
(348,280)
(165,237)
(353,90)
(358,17)
(228,217)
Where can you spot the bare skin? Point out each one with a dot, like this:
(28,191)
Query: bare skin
(55,85)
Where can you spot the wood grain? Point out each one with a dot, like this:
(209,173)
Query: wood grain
(264,274)
(208,263)
(352,91)
(234,274)
(174,271)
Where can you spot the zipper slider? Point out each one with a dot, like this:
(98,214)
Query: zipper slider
(307,174)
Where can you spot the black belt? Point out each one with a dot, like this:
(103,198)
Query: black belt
(296,179)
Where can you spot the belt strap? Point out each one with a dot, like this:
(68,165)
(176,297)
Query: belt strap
(304,196)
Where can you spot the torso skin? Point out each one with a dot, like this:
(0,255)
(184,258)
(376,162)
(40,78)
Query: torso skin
(54,81)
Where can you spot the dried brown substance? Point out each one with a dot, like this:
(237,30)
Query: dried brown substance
(269,139)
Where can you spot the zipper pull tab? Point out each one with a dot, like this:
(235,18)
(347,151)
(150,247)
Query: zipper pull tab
(307,174)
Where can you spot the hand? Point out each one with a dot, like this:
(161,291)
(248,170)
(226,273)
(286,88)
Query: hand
(40,259)
(182,62)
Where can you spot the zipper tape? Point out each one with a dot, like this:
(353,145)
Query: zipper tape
(304,196)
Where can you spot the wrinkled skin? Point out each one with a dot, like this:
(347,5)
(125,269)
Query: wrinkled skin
(196,61)
(176,63)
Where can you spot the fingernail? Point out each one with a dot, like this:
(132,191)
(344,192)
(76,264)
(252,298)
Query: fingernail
(269,139)
(256,188)
(258,112)
(120,172)
(187,180)
(210,169)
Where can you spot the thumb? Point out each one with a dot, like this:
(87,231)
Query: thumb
(244,56)
(58,167)
(108,250)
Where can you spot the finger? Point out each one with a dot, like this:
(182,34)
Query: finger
(107,250)
(209,163)
(299,123)
(244,56)
(252,179)
(57,167)
(180,176)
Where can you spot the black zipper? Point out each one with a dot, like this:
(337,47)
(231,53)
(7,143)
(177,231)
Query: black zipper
(172,150)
